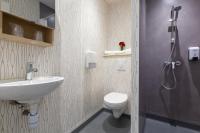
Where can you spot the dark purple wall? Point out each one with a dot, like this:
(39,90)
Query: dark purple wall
(183,103)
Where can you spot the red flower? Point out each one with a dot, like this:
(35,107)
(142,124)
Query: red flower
(122,45)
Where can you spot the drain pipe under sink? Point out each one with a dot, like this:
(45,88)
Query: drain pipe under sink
(33,115)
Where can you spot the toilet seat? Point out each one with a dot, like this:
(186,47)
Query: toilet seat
(116,100)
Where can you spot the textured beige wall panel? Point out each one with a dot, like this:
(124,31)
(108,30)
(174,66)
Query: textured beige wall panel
(116,80)
(83,25)
(119,24)
(28,9)
(13,59)
(135,68)
(119,29)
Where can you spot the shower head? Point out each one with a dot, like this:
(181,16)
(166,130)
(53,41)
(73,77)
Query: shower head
(174,12)
(173,19)
(177,8)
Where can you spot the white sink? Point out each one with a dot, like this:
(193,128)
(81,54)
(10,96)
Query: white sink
(29,90)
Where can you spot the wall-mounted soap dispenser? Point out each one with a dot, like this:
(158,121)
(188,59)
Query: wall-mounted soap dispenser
(91,59)
(193,53)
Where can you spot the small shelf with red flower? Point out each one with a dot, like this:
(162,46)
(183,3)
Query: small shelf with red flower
(121,52)
(126,52)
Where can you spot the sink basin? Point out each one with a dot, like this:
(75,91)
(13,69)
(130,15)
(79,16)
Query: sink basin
(28,90)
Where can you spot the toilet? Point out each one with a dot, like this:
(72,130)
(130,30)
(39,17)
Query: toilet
(117,102)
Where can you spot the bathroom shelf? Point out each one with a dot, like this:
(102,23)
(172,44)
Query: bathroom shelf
(29,29)
(117,53)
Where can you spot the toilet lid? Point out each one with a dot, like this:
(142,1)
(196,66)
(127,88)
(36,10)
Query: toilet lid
(116,98)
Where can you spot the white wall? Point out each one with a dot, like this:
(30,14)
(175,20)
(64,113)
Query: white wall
(83,25)
(119,24)
(135,67)
(119,29)
(116,80)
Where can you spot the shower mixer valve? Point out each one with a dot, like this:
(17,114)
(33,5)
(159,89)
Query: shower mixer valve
(173,63)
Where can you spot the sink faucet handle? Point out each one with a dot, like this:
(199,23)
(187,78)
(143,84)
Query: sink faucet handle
(30,70)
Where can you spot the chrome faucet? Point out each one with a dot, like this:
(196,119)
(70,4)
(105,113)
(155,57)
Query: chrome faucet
(30,70)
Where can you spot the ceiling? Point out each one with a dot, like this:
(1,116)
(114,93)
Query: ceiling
(50,3)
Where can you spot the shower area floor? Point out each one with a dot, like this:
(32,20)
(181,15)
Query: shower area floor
(105,123)
(154,126)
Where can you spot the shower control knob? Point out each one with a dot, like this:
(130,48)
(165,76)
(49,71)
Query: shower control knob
(178,63)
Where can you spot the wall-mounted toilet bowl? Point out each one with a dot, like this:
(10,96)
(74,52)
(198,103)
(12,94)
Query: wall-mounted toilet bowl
(117,102)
